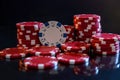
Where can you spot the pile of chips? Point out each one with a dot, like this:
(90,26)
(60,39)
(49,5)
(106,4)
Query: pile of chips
(46,44)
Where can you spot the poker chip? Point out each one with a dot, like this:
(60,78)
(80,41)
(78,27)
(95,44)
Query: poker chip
(44,51)
(75,46)
(53,33)
(86,25)
(13,53)
(106,37)
(27,33)
(72,58)
(40,62)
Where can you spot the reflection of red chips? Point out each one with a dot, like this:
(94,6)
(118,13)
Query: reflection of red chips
(107,62)
(40,62)
(86,70)
(73,58)
(13,53)
(44,51)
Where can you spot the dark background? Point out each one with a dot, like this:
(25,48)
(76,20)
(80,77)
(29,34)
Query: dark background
(13,11)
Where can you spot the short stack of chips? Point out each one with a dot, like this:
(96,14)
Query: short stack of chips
(27,33)
(86,25)
(105,43)
(76,46)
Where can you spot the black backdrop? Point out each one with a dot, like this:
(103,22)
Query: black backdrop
(13,11)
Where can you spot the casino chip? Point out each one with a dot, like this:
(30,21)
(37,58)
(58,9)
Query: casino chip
(13,53)
(40,62)
(44,51)
(53,33)
(72,58)
(75,46)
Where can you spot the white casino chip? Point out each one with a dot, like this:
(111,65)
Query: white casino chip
(53,33)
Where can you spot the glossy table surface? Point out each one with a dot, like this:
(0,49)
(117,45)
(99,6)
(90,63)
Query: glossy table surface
(99,68)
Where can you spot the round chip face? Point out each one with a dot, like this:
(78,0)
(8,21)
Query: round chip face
(72,58)
(44,51)
(40,62)
(53,33)
(13,53)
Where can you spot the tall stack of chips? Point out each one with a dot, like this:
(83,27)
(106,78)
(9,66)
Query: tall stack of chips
(86,25)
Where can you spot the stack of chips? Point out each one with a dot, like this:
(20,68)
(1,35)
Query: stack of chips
(27,33)
(105,43)
(86,25)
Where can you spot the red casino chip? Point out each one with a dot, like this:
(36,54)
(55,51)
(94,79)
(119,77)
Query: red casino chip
(44,51)
(92,41)
(104,53)
(109,37)
(32,26)
(13,53)
(105,49)
(72,58)
(40,62)
(75,46)
(88,16)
